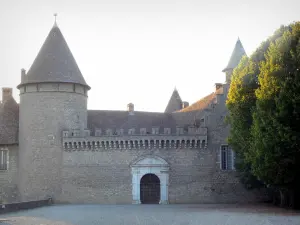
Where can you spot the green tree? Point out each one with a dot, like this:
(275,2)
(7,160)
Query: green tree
(240,102)
(242,106)
(274,150)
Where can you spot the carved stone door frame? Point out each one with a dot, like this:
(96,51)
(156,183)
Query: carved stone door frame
(146,165)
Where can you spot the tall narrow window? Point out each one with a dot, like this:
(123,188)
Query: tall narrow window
(227,158)
(3,159)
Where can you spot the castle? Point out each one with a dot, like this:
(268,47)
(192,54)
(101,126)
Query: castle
(51,145)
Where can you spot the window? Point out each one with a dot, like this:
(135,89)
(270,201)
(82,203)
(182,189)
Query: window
(227,158)
(143,131)
(179,130)
(167,130)
(3,159)
(155,130)
(108,132)
(131,131)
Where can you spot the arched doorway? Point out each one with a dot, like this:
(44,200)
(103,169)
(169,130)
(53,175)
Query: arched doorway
(150,189)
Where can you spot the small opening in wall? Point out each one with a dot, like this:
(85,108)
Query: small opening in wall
(198,144)
(151,143)
(177,144)
(168,143)
(173,144)
(203,144)
(193,143)
(146,143)
(66,145)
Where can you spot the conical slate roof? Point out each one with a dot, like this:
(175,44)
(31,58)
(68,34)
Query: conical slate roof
(54,62)
(236,56)
(175,102)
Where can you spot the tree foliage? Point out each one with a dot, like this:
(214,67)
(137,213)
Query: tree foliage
(264,111)
(274,151)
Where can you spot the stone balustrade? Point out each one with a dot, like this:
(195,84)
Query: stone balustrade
(134,142)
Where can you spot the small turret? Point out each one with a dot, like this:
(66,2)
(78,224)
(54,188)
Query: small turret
(236,56)
(175,102)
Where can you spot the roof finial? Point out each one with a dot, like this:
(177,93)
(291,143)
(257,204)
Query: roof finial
(55,15)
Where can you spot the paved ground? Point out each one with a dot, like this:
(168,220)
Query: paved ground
(152,215)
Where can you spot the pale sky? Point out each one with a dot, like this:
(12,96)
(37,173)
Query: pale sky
(139,50)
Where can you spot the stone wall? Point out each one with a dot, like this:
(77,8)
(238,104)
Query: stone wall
(105,177)
(9,178)
(43,117)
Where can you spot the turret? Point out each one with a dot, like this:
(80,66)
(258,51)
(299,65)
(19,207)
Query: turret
(53,98)
(236,56)
(175,102)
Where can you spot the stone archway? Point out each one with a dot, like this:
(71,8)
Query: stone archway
(140,170)
(150,189)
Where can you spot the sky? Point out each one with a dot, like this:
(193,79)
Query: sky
(139,50)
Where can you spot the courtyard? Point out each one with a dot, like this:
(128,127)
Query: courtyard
(153,215)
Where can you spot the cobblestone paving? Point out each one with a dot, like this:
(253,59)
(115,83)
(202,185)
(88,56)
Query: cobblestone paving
(152,215)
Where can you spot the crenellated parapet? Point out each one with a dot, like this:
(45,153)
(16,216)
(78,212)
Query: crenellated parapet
(194,138)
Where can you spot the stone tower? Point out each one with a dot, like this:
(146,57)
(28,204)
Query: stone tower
(53,98)
(236,56)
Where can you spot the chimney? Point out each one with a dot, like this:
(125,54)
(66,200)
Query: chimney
(6,94)
(23,74)
(130,108)
(218,85)
(185,104)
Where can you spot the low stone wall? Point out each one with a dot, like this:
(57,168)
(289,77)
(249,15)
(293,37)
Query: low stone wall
(11,207)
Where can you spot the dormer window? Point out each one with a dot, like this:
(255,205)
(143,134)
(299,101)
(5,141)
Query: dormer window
(155,130)
(109,132)
(179,130)
(98,132)
(143,131)
(191,130)
(120,131)
(131,131)
(167,131)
